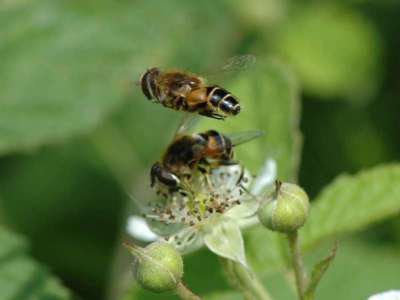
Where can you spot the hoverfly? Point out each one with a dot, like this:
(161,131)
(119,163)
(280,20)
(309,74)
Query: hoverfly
(184,91)
(196,152)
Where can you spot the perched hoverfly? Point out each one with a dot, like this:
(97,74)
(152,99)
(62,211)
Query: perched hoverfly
(196,152)
(184,91)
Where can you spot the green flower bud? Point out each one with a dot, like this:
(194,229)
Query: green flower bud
(286,210)
(158,267)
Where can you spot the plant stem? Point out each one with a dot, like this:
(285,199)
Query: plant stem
(298,266)
(244,280)
(184,293)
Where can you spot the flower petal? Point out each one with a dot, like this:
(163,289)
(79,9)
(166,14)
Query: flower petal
(138,228)
(388,295)
(187,240)
(266,177)
(248,222)
(246,209)
(223,237)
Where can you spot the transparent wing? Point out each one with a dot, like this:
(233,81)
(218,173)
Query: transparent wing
(187,123)
(235,64)
(239,62)
(242,137)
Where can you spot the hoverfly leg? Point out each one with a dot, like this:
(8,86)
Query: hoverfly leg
(183,192)
(212,115)
(228,162)
(241,176)
(203,169)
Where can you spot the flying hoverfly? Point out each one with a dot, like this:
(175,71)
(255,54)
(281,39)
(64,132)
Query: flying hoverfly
(184,91)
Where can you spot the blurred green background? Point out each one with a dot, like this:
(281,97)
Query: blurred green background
(77,136)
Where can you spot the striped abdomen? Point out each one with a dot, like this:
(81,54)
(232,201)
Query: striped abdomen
(223,100)
(218,147)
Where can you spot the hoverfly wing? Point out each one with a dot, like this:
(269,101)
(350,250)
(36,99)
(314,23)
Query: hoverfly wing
(242,137)
(233,65)
(239,63)
(187,123)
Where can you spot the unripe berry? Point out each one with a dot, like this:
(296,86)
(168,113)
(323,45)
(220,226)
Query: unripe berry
(286,210)
(158,267)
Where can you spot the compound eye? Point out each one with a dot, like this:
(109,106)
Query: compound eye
(164,176)
(154,173)
(169,179)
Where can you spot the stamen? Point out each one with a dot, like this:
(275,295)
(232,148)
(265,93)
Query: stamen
(214,192)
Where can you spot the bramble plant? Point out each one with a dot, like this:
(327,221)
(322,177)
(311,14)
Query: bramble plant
(210,209)
(311,210)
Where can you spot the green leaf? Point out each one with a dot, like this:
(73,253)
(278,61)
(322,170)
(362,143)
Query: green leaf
(360,270)
(335,51)
(21,277)
(352,202)
(269,97)
(318,272)
(67,65)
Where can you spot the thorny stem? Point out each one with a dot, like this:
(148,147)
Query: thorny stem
(298,266)
(184,293)
(244,280)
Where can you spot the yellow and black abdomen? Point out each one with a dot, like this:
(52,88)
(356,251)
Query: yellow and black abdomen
(218,147)
(222,100)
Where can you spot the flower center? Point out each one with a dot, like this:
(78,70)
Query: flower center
(209,194)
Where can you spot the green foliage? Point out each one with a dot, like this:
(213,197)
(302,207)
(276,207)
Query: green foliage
(318,272)
(353,202)
(81,63)
(360,270)
(67,72)
(335,51)
(224,296)
(255,13)
(347,271)
(21,277)
(348,204)
(63,199)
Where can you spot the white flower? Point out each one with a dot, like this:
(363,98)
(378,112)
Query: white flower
(219,206)
(137,227)
(388,295)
